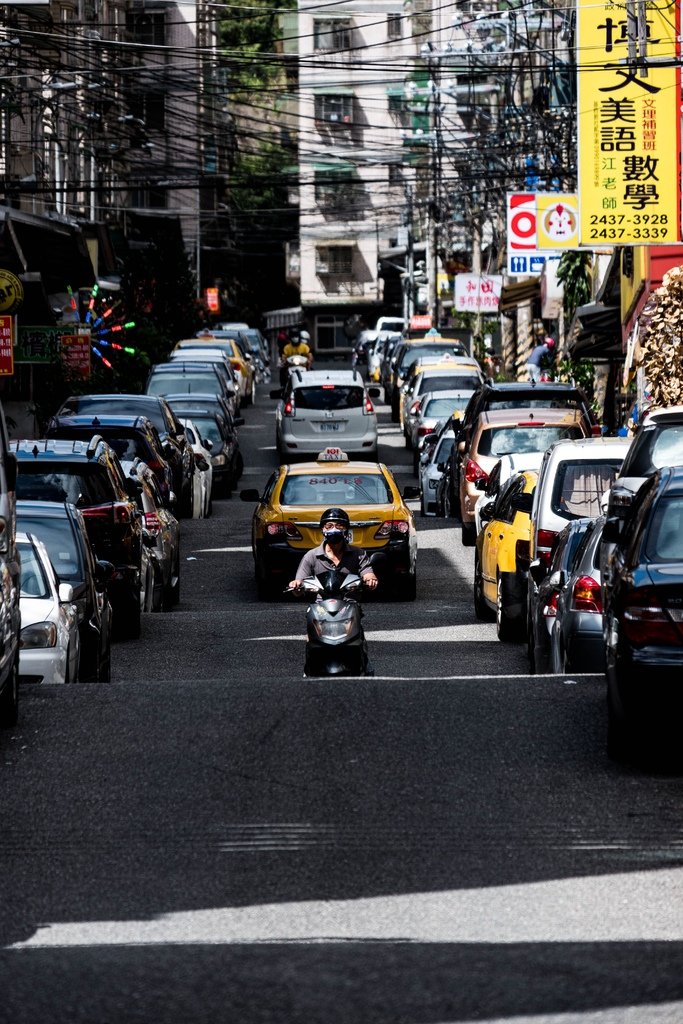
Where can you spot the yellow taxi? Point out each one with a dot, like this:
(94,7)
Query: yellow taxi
(286,521)
(501,560)
(236,352)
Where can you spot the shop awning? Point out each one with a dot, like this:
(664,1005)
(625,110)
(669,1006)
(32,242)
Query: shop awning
(519,292)
(54,249)
(599,331)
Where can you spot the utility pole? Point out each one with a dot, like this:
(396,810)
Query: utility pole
(409,276)
(434,235)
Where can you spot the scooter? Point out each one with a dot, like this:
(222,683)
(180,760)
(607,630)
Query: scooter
(295,362)
(336,642)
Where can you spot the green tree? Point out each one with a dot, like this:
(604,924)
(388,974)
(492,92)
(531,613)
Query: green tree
(574,272)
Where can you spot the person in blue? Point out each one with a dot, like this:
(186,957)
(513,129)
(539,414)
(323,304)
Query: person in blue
(534,363)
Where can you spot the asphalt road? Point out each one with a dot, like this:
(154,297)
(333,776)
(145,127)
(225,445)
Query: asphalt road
(213,838)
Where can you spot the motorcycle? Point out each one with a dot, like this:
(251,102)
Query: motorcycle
(336,642)
(292,363)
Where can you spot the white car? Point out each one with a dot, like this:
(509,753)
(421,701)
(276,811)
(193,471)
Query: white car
(506,467)
(430,470)
(202,481)
(326,407)
(49,642)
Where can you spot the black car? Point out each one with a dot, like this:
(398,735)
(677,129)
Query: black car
(643,617)
(177,452)
(88,475)
(10,576)
(61,527)
(220,437)
(131,437)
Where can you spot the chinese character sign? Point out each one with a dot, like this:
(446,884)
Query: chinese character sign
(629,138)
(75,350)
(477,293)
(6,346)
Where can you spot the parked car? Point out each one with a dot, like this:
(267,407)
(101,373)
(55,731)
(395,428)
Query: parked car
(431,470)
(238,353)
(506,467)
(320,406)
(501,561)
(219,436)
(177,451)
(404,355)
(429,411)
(190,376)
(576,638)
(457,373)
(380,351)
(231,388)
(504,432)
(541,614)
(161,540)
(89,475)
(10,613)
(203,477)
(49,647)
(286,520)
(61,527)
(131,437)
(643,618)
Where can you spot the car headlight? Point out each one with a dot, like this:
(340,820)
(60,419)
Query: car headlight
(39,634)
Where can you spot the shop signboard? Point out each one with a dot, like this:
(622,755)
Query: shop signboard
(477,293)
(38,344)
(420,322)
(75,352)
(6,346)
(628,124)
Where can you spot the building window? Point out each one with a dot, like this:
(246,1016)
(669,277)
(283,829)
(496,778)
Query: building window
(334,109)
(335,188)
(150,107)
(147,27)
(335,260)
(149,198)
(331,35)
(329,332)
(394,26)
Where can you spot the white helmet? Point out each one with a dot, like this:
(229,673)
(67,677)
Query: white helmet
(304,336)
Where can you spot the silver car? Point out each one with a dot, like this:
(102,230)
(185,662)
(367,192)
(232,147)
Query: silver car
(50,645)
(576,640)
(429,410)
(319,408)
(431,470)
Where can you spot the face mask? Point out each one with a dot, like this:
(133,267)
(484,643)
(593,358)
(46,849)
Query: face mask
(334,535)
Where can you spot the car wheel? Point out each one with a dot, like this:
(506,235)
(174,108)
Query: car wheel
(469,535)
(9,699)
(506,628)
(481,609)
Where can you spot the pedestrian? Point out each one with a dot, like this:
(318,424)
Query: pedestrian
(544,348)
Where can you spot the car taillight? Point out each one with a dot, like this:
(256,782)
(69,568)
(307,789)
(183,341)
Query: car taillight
(152,523)
(587,595)
(544,543)
(289,408)
(119,511)
(392,526)
(646,622)
(522,555)
(286,530)
(415,407)
(474,472)
(596,430)
(550,607)
(368,408)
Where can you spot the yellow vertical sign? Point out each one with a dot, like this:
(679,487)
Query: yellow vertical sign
(628,125)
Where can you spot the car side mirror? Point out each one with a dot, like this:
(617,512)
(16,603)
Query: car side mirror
(208,444)
(201,462)
(374,392)
(441,466)
(276,393)
(558,579)
(487,511)
(104,572)
(250,494)
(411,491)
(66,593)
(537,571)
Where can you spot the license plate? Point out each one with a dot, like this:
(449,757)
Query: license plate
(329,426)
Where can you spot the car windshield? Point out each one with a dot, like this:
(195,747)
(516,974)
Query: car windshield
(329,489)
(329,397)
(84,404)
(82,485)
(579,486)
(57,536)
(420,351)
(451,381)
(525,401)
(184,383)
(440,408)
(498,441)
(127,444)
(208,428)
(33,581)
(665,536)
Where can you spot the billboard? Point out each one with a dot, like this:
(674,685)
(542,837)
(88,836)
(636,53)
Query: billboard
(628,125)
(538,225)
(477,293)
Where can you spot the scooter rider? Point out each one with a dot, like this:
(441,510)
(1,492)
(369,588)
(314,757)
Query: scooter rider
(335,552)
